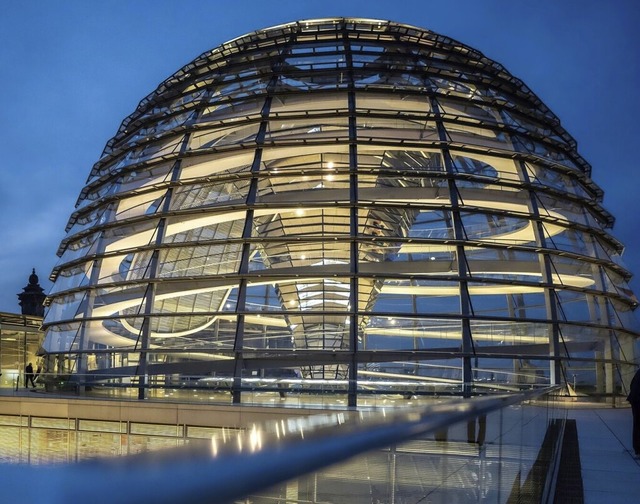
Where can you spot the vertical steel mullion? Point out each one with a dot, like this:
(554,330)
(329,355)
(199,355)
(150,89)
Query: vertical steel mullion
(93,280)
(81,361)
(550,298)
(461,262)
(596,302)
(81,366)
(236,388)
(150,295)
(605,311)
(352,392)
(244,257)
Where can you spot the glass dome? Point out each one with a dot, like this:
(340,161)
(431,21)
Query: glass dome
(342,206)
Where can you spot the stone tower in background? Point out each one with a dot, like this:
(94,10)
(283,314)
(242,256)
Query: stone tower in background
(32,297)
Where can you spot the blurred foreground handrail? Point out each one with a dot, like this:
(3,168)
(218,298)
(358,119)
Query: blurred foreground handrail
(240,464)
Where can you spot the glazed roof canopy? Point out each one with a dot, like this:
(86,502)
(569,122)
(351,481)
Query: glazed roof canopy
(223,58)
(355,200)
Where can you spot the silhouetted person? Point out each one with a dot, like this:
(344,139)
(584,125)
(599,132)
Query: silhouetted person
(482,430)
(634,400)
(28,376)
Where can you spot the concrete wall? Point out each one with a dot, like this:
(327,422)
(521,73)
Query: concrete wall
(149,412)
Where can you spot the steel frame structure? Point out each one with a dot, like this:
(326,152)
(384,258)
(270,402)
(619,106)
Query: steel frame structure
(342,205)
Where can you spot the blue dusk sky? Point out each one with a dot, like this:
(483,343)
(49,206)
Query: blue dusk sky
(71,71)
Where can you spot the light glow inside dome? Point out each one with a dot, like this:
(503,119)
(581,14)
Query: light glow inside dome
(341,205)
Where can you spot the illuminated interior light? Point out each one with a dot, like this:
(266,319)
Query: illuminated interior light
(515,205)
(255,439)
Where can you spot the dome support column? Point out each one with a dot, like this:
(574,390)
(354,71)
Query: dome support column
(241,304)
(150,293)
(466,311)
(238,344)
(550,298)
(605,378)
(90,297)
(352,393)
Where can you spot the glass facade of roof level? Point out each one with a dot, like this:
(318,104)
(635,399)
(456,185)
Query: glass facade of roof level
(20,339)
(345,206)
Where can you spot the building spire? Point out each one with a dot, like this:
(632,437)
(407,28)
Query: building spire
(32,297)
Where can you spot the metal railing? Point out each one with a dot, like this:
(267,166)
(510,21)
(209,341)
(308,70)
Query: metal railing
(229,468)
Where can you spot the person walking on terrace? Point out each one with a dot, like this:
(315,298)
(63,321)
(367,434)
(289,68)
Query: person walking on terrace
(28,376)
(634,400)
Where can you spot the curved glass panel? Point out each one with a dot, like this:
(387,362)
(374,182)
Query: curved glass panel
(350,210)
